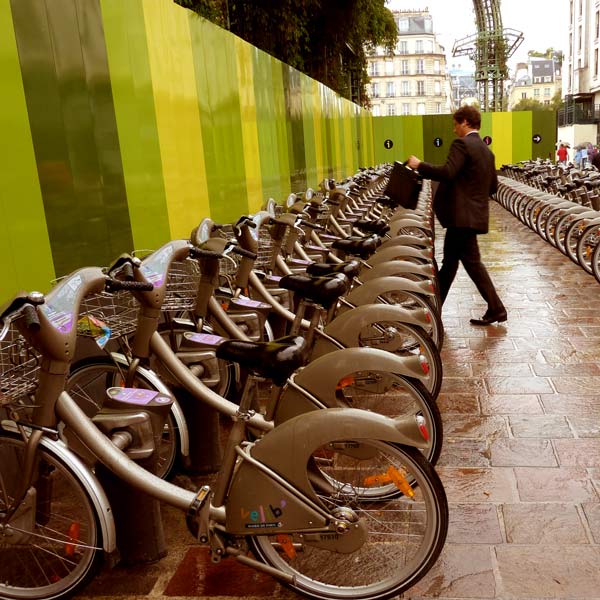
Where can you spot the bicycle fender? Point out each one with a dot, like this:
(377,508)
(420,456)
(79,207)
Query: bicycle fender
(407,240)
(176,410)
(397,267)
(399,252)
(322,377)
(287,448)
(398,224)
(346,327)
(370,290)
(88,480)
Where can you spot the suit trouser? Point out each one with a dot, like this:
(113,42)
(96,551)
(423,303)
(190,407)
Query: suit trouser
(460,245)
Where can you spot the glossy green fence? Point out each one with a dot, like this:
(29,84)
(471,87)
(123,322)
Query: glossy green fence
(127,122)
(513,136)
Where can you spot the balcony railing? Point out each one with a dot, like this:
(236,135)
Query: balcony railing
(579,114)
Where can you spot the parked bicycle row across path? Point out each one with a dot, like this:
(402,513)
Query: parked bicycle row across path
(521,456)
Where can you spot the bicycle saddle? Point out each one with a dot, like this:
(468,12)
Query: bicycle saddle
(379,226)
(322,290)
(349,268)
(275,360)
(363,247)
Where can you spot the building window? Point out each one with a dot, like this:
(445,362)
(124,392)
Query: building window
(376,112)
(403,25)
(420,108)
(405,88)
(419,47)
(420,88)
(375,89)
(596,62)
(438,107)
(391,89)
(404,65)
(403,47)
(436,66)
(405,108)
(391,110)
(546,92)
(420,66)
(523,95)
(536,93)
(597,24)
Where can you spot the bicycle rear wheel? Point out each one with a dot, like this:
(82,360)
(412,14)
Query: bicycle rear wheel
(405,531)
(394,395)
(405,339)
(52,545)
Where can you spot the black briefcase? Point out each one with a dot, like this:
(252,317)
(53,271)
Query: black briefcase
(404,186)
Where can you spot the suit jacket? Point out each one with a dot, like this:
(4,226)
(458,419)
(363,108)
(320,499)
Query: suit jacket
(466,182)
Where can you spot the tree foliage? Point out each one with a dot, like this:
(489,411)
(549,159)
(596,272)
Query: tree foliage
(550,53)
(326,39)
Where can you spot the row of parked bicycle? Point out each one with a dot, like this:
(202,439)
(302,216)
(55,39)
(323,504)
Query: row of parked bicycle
(327,480)
(571,223)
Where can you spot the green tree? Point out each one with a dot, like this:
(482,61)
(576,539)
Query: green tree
(326,40)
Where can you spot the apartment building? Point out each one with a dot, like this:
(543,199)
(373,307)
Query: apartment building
(578,120)
(538,79)
(414,80)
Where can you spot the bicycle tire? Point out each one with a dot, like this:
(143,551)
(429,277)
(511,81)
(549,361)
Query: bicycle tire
(404,339)
(394,395)
(596,263)
(87,383)
(52,545)
(572,237)
(404,536)
(586,246)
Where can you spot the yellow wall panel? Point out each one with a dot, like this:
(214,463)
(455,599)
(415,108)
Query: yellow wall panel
(177,116)
(249,140)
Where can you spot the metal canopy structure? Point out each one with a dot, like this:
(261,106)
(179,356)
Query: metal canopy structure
(489,48)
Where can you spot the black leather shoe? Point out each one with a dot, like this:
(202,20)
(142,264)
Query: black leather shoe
(491,316)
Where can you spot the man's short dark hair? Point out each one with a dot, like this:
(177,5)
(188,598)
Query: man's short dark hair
(469,114)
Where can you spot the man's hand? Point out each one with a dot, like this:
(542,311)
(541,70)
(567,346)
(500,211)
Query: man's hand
(413,162)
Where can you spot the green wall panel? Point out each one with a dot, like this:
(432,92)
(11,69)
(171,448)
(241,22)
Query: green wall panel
(437,127)
(129,65)
(24,242)
(69,101)
(543,124)
(521,138)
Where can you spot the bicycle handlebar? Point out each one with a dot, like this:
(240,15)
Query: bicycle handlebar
(115,285)
(243,252)
(200,253)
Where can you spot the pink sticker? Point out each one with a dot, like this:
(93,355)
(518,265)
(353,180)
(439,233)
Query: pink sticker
(248,302)
(133,395)
(204,338)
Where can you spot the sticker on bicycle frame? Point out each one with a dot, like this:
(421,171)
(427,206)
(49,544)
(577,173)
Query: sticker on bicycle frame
(154,268)
(248,302)
(90,326)
(136,395)
(204,338)
(258,516)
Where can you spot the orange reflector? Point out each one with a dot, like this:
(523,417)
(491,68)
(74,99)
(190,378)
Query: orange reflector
(224,305)
(377,479)
(73,533)
(285,541)
(400,481)
(424,364)
(345,382)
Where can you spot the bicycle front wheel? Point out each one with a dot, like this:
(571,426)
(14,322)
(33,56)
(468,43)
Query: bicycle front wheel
(405,532)
(51,545)
(87,384)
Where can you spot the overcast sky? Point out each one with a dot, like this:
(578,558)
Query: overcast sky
(544,23)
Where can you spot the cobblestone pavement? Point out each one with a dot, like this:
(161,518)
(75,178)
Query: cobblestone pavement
(521,458)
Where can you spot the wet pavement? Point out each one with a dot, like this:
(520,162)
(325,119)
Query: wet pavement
(521,457)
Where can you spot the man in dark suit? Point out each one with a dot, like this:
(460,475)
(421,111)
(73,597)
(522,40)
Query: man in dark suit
(461,206)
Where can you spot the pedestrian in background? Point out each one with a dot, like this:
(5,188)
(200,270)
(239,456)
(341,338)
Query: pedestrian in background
(461,204)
